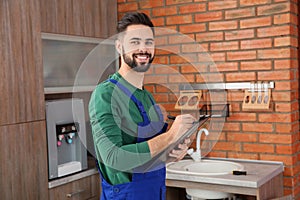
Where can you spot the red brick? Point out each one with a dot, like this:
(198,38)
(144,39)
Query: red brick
(222,5)
(215,154)
(163,11)
(239,34)
(227,146)
(218,57)
(256,65)
(188,58)
(227,66)
(240,76)
(165,69)
(150,4)
(243,155)
(179,39)
(173,2)
(235,96)
(224,46)
(274,75)
(285,128)
(155,79)
(179,19)
(253,2)
(210,77)
(276,117)
(192,8)
(256,22)
(149,87)
(125,7)
(239,13)
(241,55)
(259,148)
(160,41)
(242,117)
(204,48)
(257,127)
(276,138)
(286,41)
(168,49)
(256,43)
(181,78)
(274,31)
(290,171)
(283,107)
(284,18)
(283,96)
(161,59)
(274,53)
(285,64)
(208,16)
(273,9)
(192,28)
(288,160)
(161,97)
(192,48)
(224,25)
(242,137)
(209,36)
(158,21)
(190,69)
(285,149)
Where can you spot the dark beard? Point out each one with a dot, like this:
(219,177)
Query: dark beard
(131,62)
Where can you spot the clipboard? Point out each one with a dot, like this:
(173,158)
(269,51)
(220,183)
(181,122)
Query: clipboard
(160,159)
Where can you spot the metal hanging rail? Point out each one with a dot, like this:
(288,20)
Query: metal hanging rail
(226,86)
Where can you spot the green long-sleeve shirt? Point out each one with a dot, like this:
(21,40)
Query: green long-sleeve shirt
(114,119)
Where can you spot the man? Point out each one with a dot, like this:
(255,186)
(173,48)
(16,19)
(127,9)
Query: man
(128,127)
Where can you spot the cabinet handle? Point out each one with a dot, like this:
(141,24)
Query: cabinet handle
(70,195)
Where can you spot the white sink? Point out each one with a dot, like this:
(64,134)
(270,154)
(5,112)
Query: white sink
(203,167)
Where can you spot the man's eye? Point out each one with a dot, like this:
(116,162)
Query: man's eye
(135,42)
(149,43)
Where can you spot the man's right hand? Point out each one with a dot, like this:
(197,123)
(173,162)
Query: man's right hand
(181,124)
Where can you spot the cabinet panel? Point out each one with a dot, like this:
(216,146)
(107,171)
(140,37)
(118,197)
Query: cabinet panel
(92,18)
(23,160)
(22,96)
(85,188)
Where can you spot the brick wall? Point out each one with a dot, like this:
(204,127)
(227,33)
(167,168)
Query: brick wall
(248,40)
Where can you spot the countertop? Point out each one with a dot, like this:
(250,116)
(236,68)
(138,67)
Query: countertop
(258,173)
(74,177)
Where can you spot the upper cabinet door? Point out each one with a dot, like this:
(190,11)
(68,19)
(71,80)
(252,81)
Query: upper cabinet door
(91,18)
(21,73)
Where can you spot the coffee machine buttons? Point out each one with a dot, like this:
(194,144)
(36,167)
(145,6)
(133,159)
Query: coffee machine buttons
(60,138)
(69,137)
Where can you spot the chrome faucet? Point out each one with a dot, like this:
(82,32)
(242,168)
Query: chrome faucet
(196,155)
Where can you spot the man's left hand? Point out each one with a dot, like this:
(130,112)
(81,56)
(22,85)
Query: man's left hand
(181,150)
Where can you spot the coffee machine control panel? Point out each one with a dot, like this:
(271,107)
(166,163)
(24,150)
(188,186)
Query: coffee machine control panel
(66,133)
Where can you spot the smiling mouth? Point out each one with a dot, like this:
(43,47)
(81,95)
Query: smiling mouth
(142,58)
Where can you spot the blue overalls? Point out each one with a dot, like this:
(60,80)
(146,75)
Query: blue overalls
(144,186)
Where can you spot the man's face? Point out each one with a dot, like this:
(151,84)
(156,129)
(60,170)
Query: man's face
(138,47)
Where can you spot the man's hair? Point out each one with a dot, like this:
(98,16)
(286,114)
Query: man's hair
(134,18)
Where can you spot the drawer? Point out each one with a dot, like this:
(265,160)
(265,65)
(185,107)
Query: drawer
(82,189)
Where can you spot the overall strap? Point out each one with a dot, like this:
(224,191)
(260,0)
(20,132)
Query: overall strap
(133,98)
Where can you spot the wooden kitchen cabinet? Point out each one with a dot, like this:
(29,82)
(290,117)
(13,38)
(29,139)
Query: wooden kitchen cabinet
(175,193)
(81,189)
(93,18)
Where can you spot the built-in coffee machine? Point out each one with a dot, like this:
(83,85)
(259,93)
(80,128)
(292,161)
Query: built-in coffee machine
(66,134)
